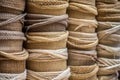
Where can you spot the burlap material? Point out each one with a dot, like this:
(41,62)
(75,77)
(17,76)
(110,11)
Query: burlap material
(11,22)
(109,77)
(86,2)
(81,40)
(109,33)
(108,52)
(39,60)
(12,6)
(48,7)
(83,74)
(108,66)
(108,1)
(108,12)
(46,40)
(11,41)
(81,11)
(82,25)
(79,58)
(46,23)
(13,62)
(58,75)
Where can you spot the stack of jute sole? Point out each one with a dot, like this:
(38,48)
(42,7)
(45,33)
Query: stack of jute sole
(12,54)
(46,24)
(109,39)
(82,40)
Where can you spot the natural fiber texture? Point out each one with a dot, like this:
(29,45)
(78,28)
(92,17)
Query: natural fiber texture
(109,77)
(108,66)
(11,41)
(11,22)
(109,33)
(85,76)
(108,52)
(86,2)
(46,40)
(80,58)
(82,25)
(48,7)
(108,1)
(13,62)
(81,40)
(39,60)
(108,12)
(20,76)
(83,69)
(46,23)
(81,11)
(60,75)
(12,6)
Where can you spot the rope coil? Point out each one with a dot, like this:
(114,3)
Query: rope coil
(81,40)
(42,40)
(59,75)
(46,23)
(56,59)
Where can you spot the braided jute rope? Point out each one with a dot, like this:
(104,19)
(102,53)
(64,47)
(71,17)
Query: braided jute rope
(48,7)
(108,52)
(46,23)
(82,11)
(7,76)
(13,62)
(82,25)
(79,58)
(39,60)
(109,77)
(11,21)
(58,75)
(12,6)
(81,40)
(85,76)
(43,40)
(108,66)
(86,2)
(11,41)
(110,34)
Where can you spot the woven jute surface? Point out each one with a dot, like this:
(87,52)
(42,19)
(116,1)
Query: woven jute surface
(82,11)
(108,66)
(109,33)
(13,62)
(108,1)
(11,41)
(43,40)
(108,12)
(79,58)
(39,60)
(12,6)
(11,22)
(83,74)
(82,25)
(83,41)
(46,23)
(108,52)
(56,75)
(48,7)
(109,77)
(86,2)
